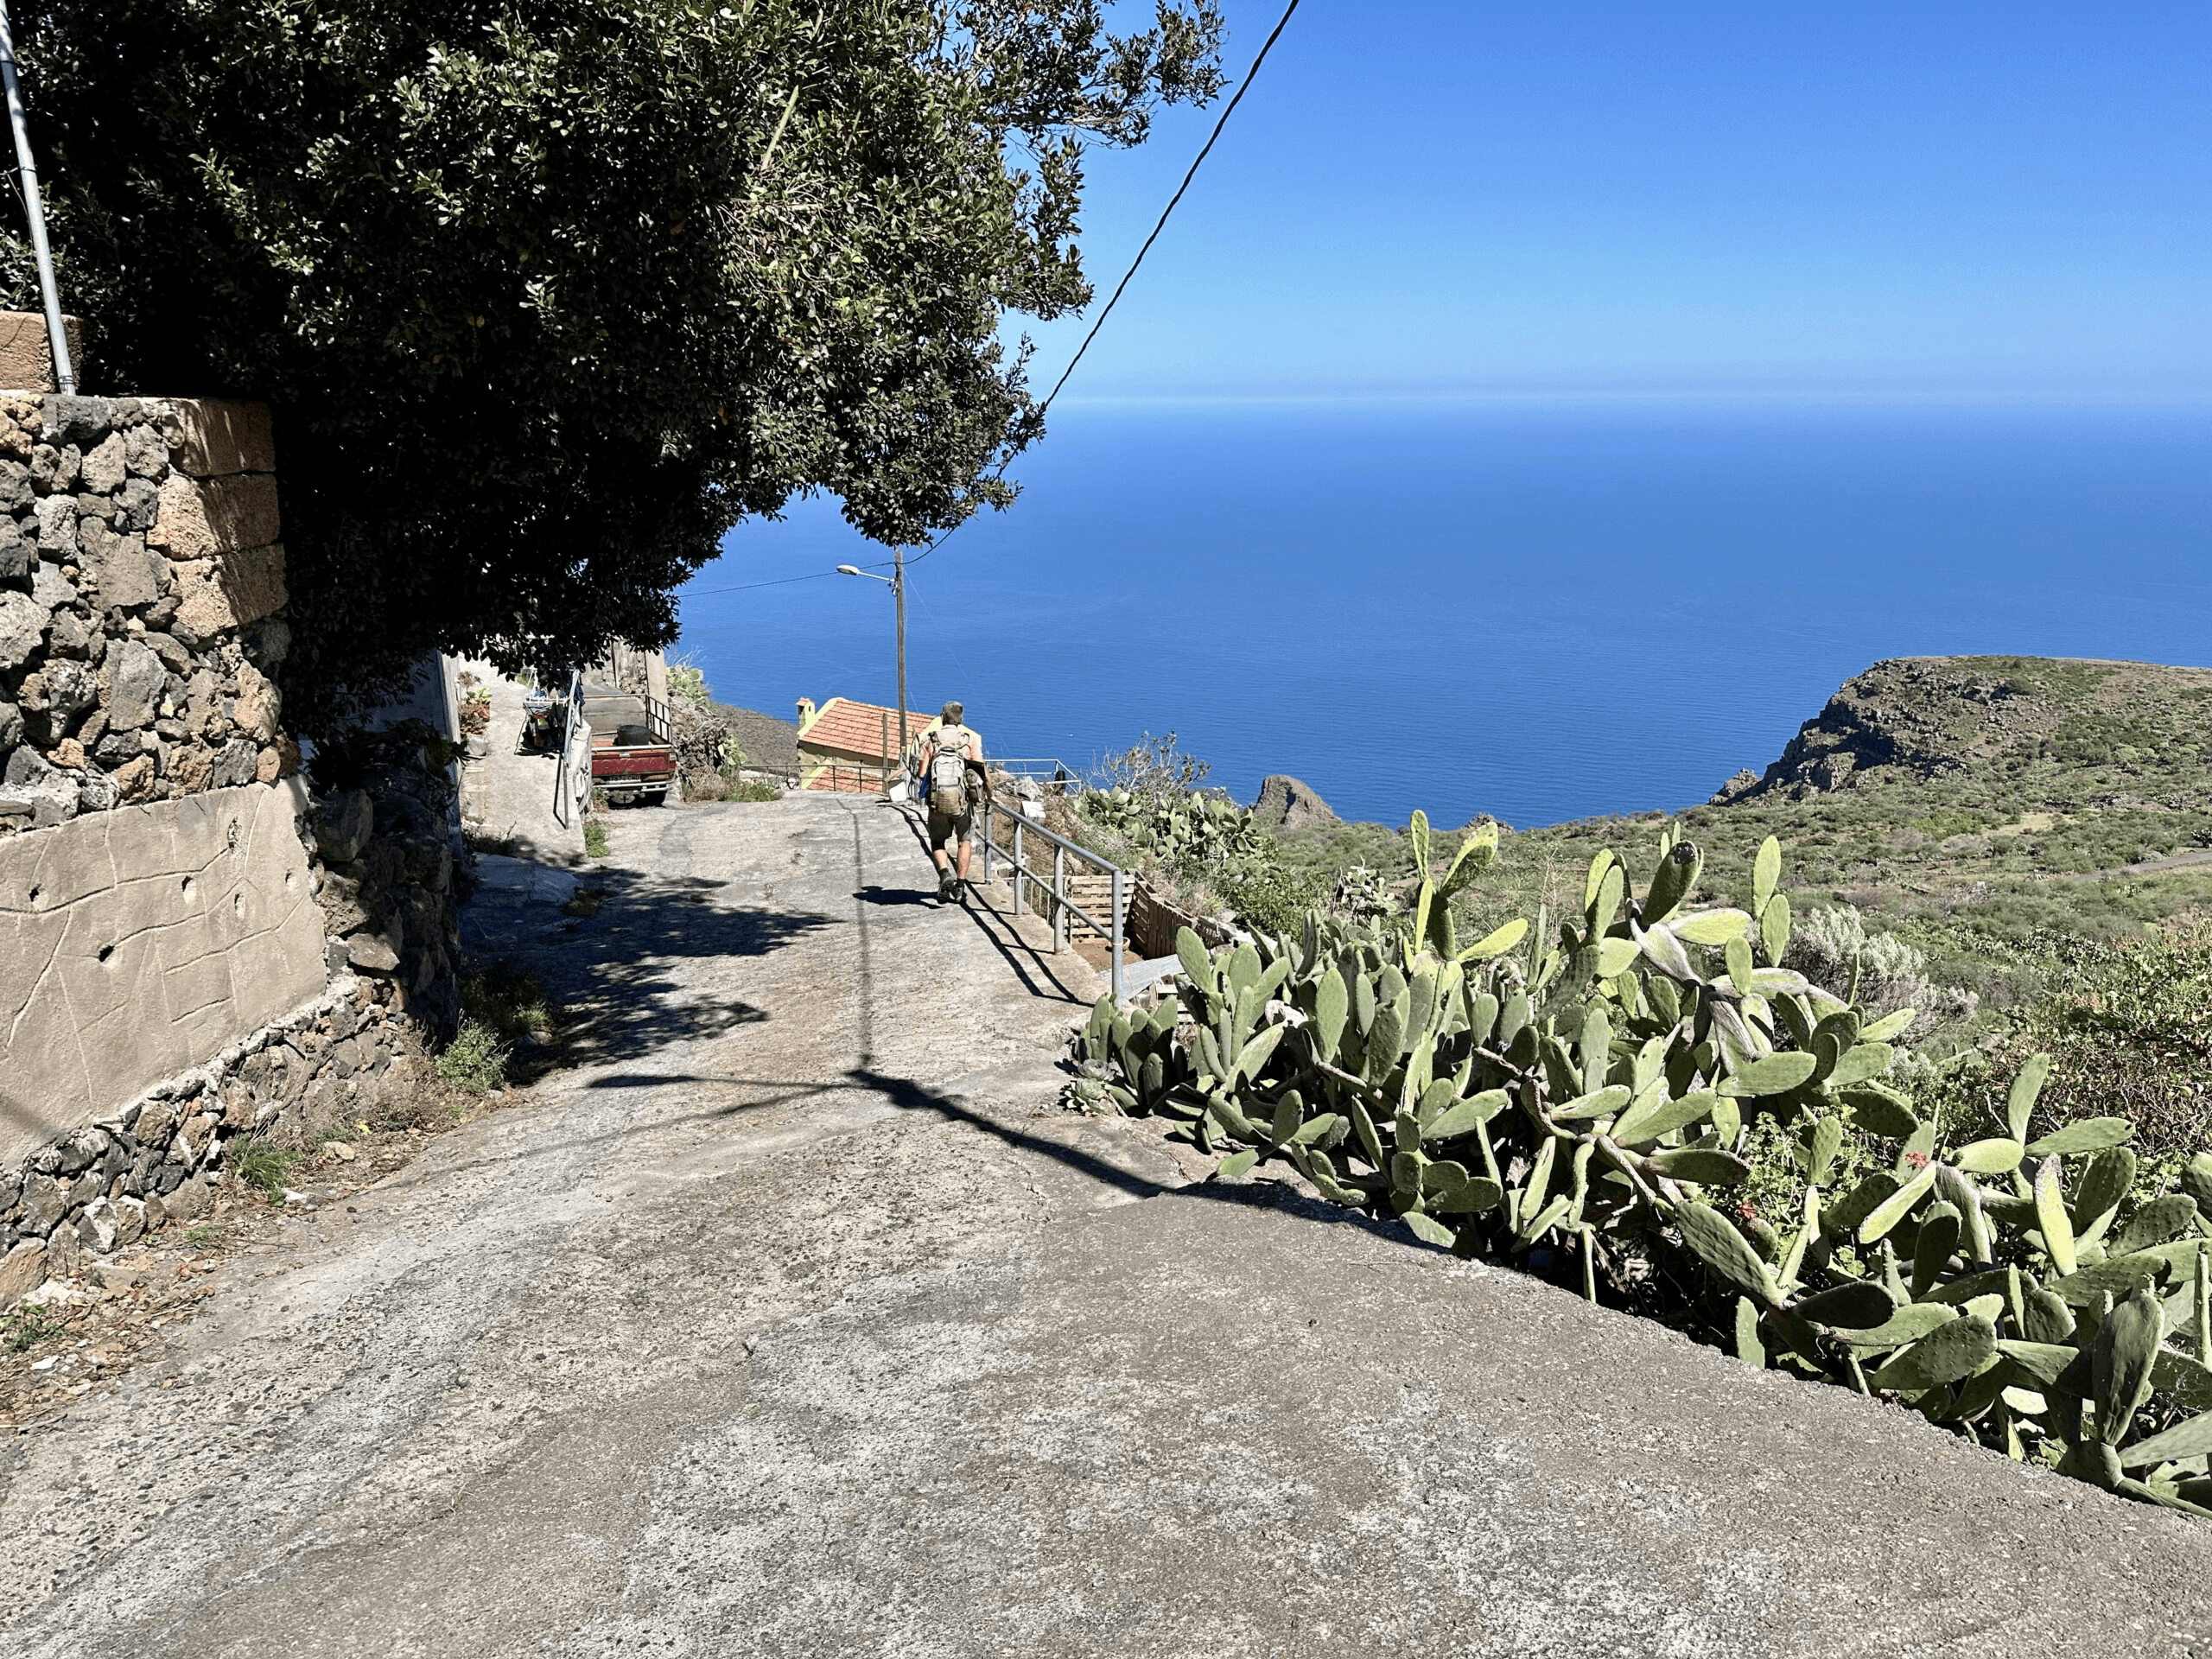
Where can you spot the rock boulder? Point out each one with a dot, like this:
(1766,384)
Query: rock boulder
(1286,802)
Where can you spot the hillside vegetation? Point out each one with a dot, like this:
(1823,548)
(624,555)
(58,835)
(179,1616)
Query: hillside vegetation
(2024,843)
(1890,1066)
(2013,791)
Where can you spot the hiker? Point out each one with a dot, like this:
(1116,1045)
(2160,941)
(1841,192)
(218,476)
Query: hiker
(952,767)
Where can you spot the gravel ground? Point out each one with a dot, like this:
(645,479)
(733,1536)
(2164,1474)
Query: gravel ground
(794,1319)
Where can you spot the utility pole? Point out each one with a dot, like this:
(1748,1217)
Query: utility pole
(897,580)
(65,375)
(899,593)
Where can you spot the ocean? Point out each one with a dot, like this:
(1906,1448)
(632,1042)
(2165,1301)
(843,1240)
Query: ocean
(1540,609)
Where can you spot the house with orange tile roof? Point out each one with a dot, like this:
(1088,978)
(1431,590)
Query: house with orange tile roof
(849,747)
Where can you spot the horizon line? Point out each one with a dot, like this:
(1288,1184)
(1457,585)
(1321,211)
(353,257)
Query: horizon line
(2037,396)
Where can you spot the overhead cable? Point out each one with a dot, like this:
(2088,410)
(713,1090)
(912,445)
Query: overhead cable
(1106,311)
(1227,109)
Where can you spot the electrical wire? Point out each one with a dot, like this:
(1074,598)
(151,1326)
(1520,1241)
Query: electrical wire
(780,581)
(1228,110)
(1097,322)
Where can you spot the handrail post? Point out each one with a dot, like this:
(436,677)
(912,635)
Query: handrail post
(1060,898)
(1016,816)
(989,841)
(1114,945)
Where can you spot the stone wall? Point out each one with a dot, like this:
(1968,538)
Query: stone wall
(159,1157)
(141,588)
(193,948)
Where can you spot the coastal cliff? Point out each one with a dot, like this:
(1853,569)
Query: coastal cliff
(2086,729)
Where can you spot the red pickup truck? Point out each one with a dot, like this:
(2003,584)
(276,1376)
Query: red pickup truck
(631,752)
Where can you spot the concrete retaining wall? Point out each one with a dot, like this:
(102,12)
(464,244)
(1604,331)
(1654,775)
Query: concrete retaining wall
(137,942)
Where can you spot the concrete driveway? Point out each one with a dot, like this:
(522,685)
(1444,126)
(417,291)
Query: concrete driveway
(798,1321)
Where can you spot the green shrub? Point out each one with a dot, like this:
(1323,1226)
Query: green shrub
(509,1003)
(1944,826)
(475,1059)
(1643,1086)
(595,838)
(1265,895)
(1151,765)
(687,682)
(262,1166)
(2128,1024)
(24,1328)
(1203,840)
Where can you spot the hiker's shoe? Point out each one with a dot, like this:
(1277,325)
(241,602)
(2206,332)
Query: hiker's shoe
(946,885)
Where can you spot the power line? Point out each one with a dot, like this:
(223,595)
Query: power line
(1212,138)
(780,581)
(1228,110)
(1113,299)
(747,586)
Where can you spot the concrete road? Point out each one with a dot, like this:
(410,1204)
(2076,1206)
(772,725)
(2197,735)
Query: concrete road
(508,795)
(798,1322)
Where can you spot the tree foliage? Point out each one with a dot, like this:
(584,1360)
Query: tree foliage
(547,294)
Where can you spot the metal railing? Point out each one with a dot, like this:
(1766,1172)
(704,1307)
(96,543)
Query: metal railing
(1022,824)
(854,778)
(843,777)
(572,778)
(1042,769)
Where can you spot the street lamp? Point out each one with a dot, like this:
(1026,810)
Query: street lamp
(898,581)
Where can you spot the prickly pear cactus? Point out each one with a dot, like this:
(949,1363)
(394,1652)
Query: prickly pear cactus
(1595,1079)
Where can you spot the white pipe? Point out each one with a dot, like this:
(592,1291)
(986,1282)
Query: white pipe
(65,375)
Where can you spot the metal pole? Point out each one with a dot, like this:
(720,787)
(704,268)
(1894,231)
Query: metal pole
(65,375)
(1016,817)
(989,841)
(899,593)
(883,742)
(1114,945)
(1059,896)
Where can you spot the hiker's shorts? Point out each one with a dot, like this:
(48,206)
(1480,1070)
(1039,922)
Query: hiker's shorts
(947,828)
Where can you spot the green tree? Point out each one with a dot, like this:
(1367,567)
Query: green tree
(547,294)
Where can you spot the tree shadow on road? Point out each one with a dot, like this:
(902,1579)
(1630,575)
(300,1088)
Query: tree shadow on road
(910,1096)
(617,971)
(1265,1194)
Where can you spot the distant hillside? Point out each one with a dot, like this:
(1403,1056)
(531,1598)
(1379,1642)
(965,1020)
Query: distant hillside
(769,742)
(1998,812)
(2068,732)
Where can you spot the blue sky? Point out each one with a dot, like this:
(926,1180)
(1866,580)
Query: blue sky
(1964,198)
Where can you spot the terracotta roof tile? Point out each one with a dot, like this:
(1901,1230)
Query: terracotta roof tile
(849,728)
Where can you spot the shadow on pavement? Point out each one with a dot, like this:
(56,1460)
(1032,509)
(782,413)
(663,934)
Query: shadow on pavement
(1036,968)
(875,895)
(616,971)
(1260,1195)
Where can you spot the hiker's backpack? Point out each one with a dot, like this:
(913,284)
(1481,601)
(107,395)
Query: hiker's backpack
(948,774)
